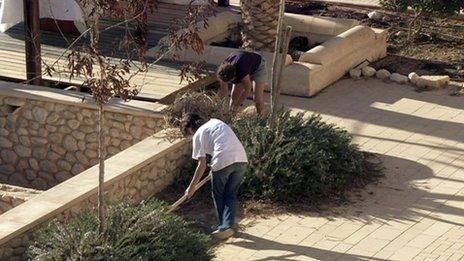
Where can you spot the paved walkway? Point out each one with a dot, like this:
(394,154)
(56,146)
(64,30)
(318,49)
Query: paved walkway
(415,213)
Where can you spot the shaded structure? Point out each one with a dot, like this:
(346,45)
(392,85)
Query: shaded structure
(161,82)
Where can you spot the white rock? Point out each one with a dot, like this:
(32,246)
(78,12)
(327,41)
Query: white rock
(400,33)
(399,78)
(434,81)
(413,77)
(368,71)
(355,73)
(383,74)
(375,15)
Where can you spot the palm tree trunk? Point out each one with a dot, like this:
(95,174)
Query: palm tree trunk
(101,173)
(260,18)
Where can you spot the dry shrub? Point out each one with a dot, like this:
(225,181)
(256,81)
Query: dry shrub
(206,104)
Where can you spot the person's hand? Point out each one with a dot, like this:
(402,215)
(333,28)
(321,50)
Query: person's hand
(189,192)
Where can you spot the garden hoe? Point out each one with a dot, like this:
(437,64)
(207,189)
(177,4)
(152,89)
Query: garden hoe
(184,197)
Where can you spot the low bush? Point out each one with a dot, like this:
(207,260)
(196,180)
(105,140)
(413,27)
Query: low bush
(144,232)
(434,7)
(303,159)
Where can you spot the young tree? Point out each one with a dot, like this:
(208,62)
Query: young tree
(423,8)
(109,77)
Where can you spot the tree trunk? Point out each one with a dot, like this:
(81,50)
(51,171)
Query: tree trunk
(32,41)
(101,172)
(275,70)
(260,18)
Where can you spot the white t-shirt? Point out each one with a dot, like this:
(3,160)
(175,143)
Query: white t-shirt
(217,139)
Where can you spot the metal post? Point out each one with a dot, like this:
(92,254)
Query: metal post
(32,41)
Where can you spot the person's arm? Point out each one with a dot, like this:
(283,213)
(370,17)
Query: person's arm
(223,92)
(201,167)
(247,89)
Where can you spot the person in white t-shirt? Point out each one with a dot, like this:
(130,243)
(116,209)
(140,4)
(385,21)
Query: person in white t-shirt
(228,165)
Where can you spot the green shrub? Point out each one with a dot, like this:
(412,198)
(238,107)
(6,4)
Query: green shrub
(435,7)
(302,159)
(144,232)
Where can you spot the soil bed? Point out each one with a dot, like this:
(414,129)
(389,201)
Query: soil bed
(437,50)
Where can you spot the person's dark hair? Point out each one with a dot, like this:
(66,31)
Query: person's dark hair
(226,72)
(192,121)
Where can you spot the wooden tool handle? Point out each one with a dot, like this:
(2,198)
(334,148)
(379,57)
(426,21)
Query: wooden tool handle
(184,197)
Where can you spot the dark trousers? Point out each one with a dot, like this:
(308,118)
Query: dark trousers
(225,184)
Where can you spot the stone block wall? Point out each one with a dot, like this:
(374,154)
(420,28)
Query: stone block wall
(155,163)
(11,196)
(45,143)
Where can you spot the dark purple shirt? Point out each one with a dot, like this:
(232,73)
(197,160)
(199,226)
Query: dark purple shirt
(246,63)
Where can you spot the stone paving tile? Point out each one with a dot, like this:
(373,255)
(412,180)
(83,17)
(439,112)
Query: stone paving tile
(415,213)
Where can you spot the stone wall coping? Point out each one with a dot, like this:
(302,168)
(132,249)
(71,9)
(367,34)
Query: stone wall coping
(63,196)
(85,100)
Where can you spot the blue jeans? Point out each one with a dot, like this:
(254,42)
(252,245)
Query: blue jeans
(225,184)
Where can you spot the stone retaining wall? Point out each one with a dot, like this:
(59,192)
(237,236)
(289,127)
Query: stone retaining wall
(134,174)
(11,196)
(43,143)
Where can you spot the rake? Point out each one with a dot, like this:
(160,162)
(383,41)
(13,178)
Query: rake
(184,197)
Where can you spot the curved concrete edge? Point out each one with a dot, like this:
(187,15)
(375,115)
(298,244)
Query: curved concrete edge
(306,24)
(80,99)
(298,77)
(307,79)
(66,195)
(339,46)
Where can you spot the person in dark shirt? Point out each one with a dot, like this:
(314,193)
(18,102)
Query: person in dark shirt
(238,72)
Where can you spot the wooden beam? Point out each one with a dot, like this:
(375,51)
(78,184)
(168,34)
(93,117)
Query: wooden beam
(32,41)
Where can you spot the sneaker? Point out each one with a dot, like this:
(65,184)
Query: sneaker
(223,234)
